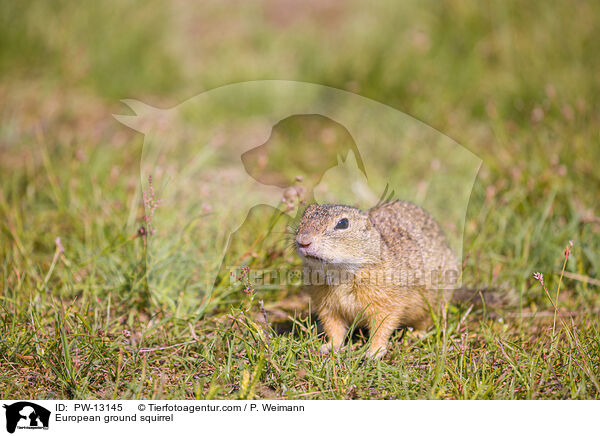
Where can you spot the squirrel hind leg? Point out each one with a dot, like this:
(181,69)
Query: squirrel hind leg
(422,325)
(419,328)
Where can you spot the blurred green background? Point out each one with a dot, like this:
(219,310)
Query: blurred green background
(517,83)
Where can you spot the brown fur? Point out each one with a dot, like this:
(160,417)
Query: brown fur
(389,268)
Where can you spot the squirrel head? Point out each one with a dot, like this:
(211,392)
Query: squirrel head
(331,234)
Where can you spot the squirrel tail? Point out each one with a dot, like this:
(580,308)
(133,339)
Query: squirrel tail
(494,298)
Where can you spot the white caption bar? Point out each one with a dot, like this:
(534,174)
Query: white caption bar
(23,417)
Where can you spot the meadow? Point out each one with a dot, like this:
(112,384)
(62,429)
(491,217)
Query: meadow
(81,316)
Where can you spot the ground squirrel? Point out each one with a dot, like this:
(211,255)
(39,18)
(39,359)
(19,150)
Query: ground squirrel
(385,267)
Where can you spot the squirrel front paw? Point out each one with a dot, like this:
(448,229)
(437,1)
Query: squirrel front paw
(327,347)
(376,353)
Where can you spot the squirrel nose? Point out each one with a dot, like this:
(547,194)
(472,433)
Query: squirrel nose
(303,241)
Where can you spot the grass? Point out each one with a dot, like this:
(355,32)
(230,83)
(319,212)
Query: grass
(517,84)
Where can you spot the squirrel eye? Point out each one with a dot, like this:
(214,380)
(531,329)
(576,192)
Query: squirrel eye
(342,224)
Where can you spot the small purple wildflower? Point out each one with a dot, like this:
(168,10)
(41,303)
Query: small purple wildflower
(568,249)
(244,278)
(539,277)
(151,203)
(59,246)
